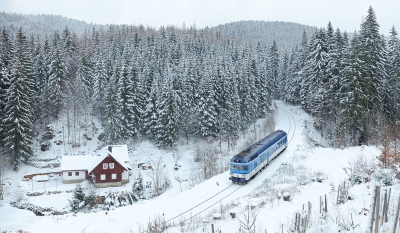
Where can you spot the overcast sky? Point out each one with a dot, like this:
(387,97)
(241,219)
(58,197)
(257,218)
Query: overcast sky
(344,14)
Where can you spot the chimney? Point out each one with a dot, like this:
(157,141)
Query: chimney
(110,148)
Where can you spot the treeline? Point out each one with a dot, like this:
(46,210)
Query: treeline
(159,84)
(139,82)
(250,31)
(350,85)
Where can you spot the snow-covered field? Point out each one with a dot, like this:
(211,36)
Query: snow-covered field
(182,201)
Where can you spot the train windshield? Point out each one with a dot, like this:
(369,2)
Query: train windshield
(239,167)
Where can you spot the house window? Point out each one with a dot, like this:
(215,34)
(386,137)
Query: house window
(113,176)
(103,177)
(76,173)
(69,173)
(111,165)
(105,165)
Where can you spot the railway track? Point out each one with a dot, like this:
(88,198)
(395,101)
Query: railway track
(291,119)
(221,195)
(203,206)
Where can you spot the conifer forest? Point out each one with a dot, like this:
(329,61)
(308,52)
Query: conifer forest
(177,83)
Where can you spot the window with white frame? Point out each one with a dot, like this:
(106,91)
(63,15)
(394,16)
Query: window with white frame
(76,173)
(113,176)
(103,177)
(105,165)
(111,165)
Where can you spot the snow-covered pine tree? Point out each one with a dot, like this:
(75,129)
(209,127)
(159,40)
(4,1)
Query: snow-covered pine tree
(187,99)
(168,114)
(372,56)
(78,198)
(150,114)
(112,115)
(353,96)
(5,65)
(125,94)
(99,87)
(313,86)
(206,109)
(138,101)
(392,100)
(58,82)
(274,68)
(249,98)
(293,83)
(283,74)
(90,198)
(18,119)
(22,52)
(138,187)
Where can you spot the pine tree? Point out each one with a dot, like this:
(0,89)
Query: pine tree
(274,68)
(353,96)
(78,199)
(313,86)
(112,115)
(168,115)
(137,187)
(5,68)
(372,55)
(18,119)
(125,98)
(206,112)
(99,87)
(22,53)
(150,114)
(392,87)
(138,101)
(58,82)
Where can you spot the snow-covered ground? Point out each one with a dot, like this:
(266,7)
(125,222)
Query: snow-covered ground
(185,200)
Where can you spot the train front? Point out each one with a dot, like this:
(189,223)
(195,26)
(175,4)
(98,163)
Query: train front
(239,169)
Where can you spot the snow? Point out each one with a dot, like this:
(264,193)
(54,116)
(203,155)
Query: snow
(78,162)
(41,178)
(186,198)
(89,162)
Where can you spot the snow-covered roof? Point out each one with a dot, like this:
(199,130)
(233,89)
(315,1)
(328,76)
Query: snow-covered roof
(41,178)
(89,162)
(120,151)
(80,162)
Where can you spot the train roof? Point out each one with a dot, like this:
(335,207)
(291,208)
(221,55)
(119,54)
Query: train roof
(258,147)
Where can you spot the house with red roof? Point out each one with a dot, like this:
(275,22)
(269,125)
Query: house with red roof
(107,168)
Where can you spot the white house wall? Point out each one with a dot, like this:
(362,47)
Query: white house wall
(74,178)
(125,175)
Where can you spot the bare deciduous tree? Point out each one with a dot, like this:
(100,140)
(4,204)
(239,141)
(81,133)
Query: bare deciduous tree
(248,221)
(207,158)
(159,175)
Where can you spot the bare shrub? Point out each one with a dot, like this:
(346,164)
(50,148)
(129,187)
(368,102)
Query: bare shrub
(247,221)
(19,196)
(360,170)
(207,157)
(159,176)
(269,123)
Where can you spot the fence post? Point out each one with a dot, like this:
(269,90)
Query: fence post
(397,216)
(371,225)
(378,201)
(326,205)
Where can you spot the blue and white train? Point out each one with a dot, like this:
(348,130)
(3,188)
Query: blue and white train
(246,164)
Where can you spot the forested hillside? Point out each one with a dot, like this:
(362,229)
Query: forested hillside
(176,83)
(42,24)
(288,34)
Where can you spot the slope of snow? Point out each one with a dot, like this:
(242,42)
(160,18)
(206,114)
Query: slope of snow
(184,200)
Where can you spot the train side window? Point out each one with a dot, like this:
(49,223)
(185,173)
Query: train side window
(245,167)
